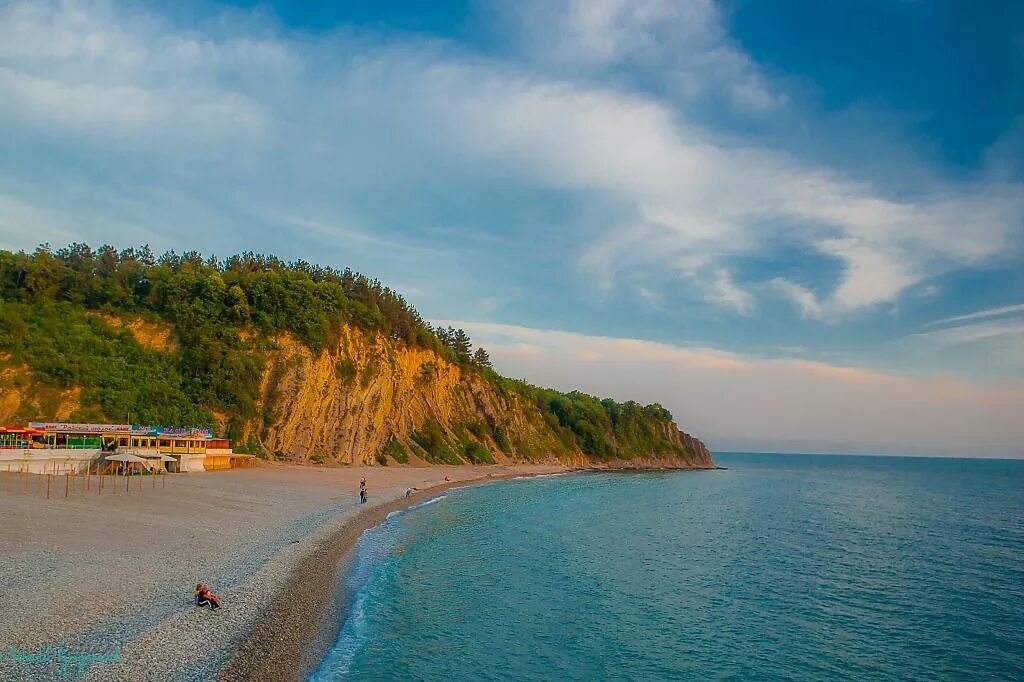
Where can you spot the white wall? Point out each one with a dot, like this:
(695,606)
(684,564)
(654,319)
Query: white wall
(48,460)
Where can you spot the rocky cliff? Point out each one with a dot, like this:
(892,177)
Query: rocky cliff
(291,361)
(369,400)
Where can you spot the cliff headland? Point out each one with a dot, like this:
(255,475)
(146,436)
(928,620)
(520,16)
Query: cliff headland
(294,362)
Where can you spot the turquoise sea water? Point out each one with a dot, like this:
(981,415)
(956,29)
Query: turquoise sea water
(783,567)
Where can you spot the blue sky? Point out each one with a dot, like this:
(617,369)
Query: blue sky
(764,215)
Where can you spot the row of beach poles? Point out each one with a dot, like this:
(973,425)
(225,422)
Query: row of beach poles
(16,477)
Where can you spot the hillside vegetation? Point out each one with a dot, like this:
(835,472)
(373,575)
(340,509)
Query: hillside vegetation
(290,360)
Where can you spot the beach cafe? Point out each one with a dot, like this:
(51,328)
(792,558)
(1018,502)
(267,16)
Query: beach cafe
(49,446)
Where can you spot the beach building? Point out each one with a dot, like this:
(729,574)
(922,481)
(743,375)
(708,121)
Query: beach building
(34,450)
(17,438)
(61,447)
(186,445)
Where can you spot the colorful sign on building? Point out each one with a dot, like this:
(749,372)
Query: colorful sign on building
(132,429)
(64,427)
(170,431)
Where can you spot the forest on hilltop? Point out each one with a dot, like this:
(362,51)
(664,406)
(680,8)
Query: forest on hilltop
(56,306)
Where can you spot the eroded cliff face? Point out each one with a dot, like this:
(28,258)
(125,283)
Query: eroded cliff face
(347,404)
(367,400)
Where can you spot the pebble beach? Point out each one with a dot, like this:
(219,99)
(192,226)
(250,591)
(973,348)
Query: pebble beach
(99,585)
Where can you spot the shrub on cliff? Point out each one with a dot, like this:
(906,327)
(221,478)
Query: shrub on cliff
(395,450)
(435,445)
(475,452)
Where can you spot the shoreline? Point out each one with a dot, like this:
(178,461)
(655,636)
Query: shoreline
(244,532)
(253,534)
(291,639)
(293,636)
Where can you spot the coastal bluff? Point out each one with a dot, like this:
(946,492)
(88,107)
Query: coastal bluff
(292,362)
(401,397)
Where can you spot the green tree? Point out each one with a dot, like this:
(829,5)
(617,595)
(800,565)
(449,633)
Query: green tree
(482,358)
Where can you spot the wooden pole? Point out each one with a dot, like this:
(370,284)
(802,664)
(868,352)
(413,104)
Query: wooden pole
(67,482)
(127,481)
(99,488)
(47,486)
(88,476)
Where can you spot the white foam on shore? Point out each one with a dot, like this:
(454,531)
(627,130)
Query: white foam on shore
(397,512)
(373,551)
(430,501)
(530,477)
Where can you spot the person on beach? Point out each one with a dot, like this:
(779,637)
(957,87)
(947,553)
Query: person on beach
(408,492)
(206,598)
(362,495)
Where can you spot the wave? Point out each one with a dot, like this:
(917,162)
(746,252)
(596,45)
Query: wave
(374,552)
(426,502)
(529,477)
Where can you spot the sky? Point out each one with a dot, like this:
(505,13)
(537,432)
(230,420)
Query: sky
(798,225)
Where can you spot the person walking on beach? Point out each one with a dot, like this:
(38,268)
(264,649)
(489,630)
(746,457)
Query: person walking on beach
(362,491)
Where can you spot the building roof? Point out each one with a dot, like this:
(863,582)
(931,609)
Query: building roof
(125,458)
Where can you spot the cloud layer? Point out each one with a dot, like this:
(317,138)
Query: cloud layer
(584,160)
(278,119)
(743,403)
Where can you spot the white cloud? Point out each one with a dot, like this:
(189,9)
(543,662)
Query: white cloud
(683,46)
(241,114)
(994,347)
(737,401)
(982,314)
(970,333)
(723,290)
(804,298)
(996,335)
(696,203)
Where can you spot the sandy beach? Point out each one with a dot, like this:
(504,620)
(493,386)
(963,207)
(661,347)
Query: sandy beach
(112,575)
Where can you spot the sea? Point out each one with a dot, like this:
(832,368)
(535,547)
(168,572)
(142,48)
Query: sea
(781,567)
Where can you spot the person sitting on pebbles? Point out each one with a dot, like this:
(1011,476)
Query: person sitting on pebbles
(206,598)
